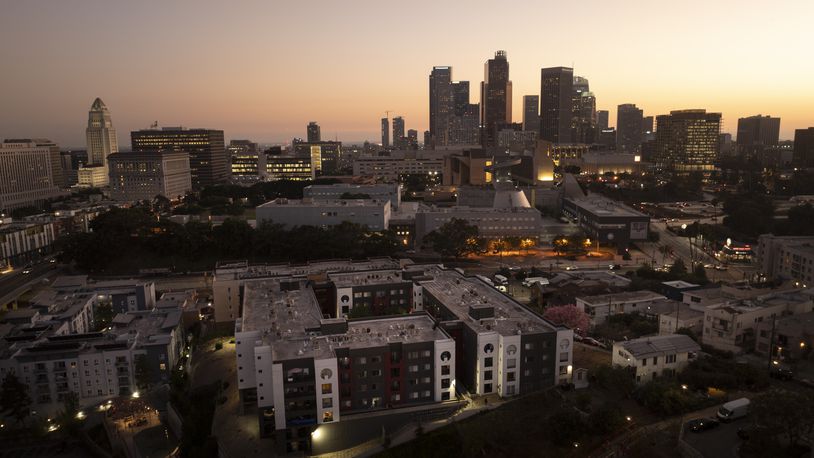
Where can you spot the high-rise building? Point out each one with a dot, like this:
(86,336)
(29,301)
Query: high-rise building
(207,153)
(325,156)
(531,115)
(757,133)
(804,147)
(314,134)
(647,125)
(140,176)
(441,103)
(628,129)
(460,97)
(398,132)
(385,133)
(27,173)
(556,105)
(412,139)
(100,134)
(427,139)
(463,125)
(687,141)
(496,98)
(602,117)
(248,164)
(583,115)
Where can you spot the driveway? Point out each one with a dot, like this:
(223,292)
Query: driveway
(721,442)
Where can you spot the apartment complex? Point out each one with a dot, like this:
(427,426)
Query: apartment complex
(22,242)
(787,257)
(139,176)
(600,308)
(687,141)
(207,153)
(398,163)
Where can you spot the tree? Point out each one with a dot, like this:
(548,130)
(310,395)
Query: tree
(791,412)
(103,315)
(14,397)
(678,267)
(456,238)
(143,372)
(616,379)
(67,416)
(566,426)
(569,316)
(607,418)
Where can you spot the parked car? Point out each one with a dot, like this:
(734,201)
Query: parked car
(592,341)
(614,267)
(781,372)
(702,424)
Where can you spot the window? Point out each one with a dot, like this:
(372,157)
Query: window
(563,356)
(426,393)
(361,360)
(375,359)
(414,395)
(655,360)
(426,380)
(487,362)
(644,362)
(445,396)
(670,359)
(510,390)
(395,372)
(326,374)
(510,376)
(376,373)
(445,370)
(563,370)
(529,346)
(511,349)
(487,388)
(487,375)
(445,383)
(446,356)
(426,354)
(511,363)
(412,368)
(328,416)
(327,388)
(488,348)
(327,403)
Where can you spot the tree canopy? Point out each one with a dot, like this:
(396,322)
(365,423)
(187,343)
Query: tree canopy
(455,238)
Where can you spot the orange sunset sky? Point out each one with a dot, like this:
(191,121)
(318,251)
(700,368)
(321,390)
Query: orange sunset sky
(261,70)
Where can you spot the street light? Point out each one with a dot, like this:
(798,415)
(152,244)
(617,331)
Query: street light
(683,387)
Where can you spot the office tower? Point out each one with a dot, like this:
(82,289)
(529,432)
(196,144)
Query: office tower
(628,129)
(687,141)
(247,162)
(496,98)
(427,139)
(725,145)
(647,125)
(100,134)
(385,133)
(412,139)
(602,117)
(556,106)
(398,132)
(607,137)
(804,147)
(27,173)
(460,97)
(314,134)
(757,133)
(441,103)
(463,124)
(140,176)
(583,115)
(207,154)
(325,156)
(531,116)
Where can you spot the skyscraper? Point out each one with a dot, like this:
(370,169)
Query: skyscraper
(385,133)
(583,115)
(556,105)
(463,125)
(496,98)
(757,133)
(602,117)
(647,125)
(687,141)
(441,103)
(398,132)
(629,129)
(207,153)
(804,147)
(100,134)
(531,115)
(314,134)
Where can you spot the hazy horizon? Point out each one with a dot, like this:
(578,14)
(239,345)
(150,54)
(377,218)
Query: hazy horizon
(262,71)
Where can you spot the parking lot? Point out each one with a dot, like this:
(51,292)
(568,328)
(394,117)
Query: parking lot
(720,442)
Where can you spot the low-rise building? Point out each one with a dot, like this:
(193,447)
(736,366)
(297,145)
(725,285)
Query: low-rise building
(491,222)
(607,221)
(399,163)
(682,317)
(793,337)
(22,242)
(374,214)
(787,257)
(384,191)
(599,308)
(294,168)
(656,356)
(92,176)
(731,326)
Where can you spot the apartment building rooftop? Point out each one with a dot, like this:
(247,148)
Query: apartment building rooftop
(364,278)
(626,296)
(311,202)
(237,270)
(289,318)
(774,299)
(481,306)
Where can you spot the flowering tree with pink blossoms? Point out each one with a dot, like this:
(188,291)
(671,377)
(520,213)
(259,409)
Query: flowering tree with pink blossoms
(570,316)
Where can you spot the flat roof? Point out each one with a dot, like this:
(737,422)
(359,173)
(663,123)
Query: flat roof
(626,296)
(363,278)
(288,315)
(311,202)
(458,293)
(241,269)
(602,206)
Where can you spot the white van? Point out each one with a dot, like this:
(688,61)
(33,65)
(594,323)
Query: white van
(734,409)
(501,280)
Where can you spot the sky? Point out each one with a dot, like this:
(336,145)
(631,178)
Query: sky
(263,69)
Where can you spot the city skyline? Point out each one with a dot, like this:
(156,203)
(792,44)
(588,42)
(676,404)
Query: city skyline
(266,82)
